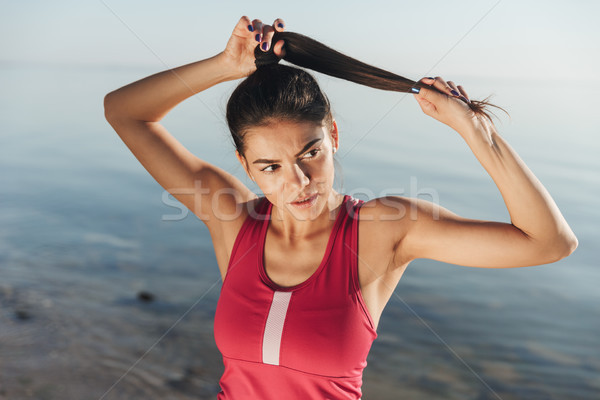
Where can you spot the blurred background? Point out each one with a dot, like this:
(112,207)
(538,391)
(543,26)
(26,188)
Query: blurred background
(108,287)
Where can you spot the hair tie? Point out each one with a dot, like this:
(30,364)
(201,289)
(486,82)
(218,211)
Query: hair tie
(266,57)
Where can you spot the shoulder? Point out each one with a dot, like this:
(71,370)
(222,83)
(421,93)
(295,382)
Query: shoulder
(226,232)
(387,209)
(384,219)
(231,223)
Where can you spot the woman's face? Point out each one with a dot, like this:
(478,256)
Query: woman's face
(291,161)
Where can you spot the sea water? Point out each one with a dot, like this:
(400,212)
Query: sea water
(84,229)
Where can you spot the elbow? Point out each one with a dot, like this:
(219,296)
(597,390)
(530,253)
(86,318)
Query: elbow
(564,247)
(109,108)
(570,245)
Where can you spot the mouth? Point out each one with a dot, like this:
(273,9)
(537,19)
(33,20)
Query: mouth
(306,201)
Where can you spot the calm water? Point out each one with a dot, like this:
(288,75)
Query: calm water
(84,229)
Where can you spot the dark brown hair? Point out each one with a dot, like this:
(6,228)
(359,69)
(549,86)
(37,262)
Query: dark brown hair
(280,92)
(275,92)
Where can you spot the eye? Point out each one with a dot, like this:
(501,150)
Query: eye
(270,168)
(311,154)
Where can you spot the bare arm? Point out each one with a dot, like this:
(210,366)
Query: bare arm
(135,112)
(537,234)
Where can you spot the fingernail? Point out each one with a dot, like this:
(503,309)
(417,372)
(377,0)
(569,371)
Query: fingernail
(415,89)
(280,25)
(455,93)
(433,79)
(250,28)
(265,46)
(257,37)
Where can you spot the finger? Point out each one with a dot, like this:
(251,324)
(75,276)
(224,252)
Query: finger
(268,33)
(441,85)
(454,89)
(463,92)
(423,81)
(244,25)
(458,92)
(258,29)
(452,85)
(432,95)
(279,49)
(439,89)
(279,25)
(426,106)
(427,81)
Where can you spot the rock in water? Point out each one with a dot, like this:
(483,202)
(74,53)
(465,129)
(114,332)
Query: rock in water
(22,314)
(146,297)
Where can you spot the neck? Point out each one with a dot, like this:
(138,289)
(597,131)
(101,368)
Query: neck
(293,229)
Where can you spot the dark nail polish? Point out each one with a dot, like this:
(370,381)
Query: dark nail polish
(280,25)
(455,93)
(265,46)
(415,89)
(429,77)
(257,37)
(250,28)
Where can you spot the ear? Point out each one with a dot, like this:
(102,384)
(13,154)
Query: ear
(335,138)
(244,163)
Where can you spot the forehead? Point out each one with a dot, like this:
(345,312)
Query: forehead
(281,137)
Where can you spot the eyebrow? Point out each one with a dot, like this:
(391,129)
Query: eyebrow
(306,147)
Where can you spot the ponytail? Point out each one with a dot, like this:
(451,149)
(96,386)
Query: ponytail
(308,53)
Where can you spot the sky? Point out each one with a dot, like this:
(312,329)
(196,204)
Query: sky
(509,39)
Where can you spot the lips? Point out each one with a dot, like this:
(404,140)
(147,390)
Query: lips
(304,199)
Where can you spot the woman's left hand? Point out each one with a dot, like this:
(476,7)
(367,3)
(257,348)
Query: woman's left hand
(448,104)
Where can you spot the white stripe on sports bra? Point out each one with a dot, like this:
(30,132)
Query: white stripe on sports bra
(274,327)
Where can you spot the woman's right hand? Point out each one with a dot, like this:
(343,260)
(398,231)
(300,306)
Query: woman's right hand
(239,52)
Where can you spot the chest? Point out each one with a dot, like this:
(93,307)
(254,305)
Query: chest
(291,265)
(378,275)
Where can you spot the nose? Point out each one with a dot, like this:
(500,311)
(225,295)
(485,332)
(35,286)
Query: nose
(297,177)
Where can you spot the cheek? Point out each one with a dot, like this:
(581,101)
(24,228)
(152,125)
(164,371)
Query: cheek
(323,169)
(272,183)
(269,182)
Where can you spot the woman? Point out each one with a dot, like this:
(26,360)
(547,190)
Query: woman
(308,271)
